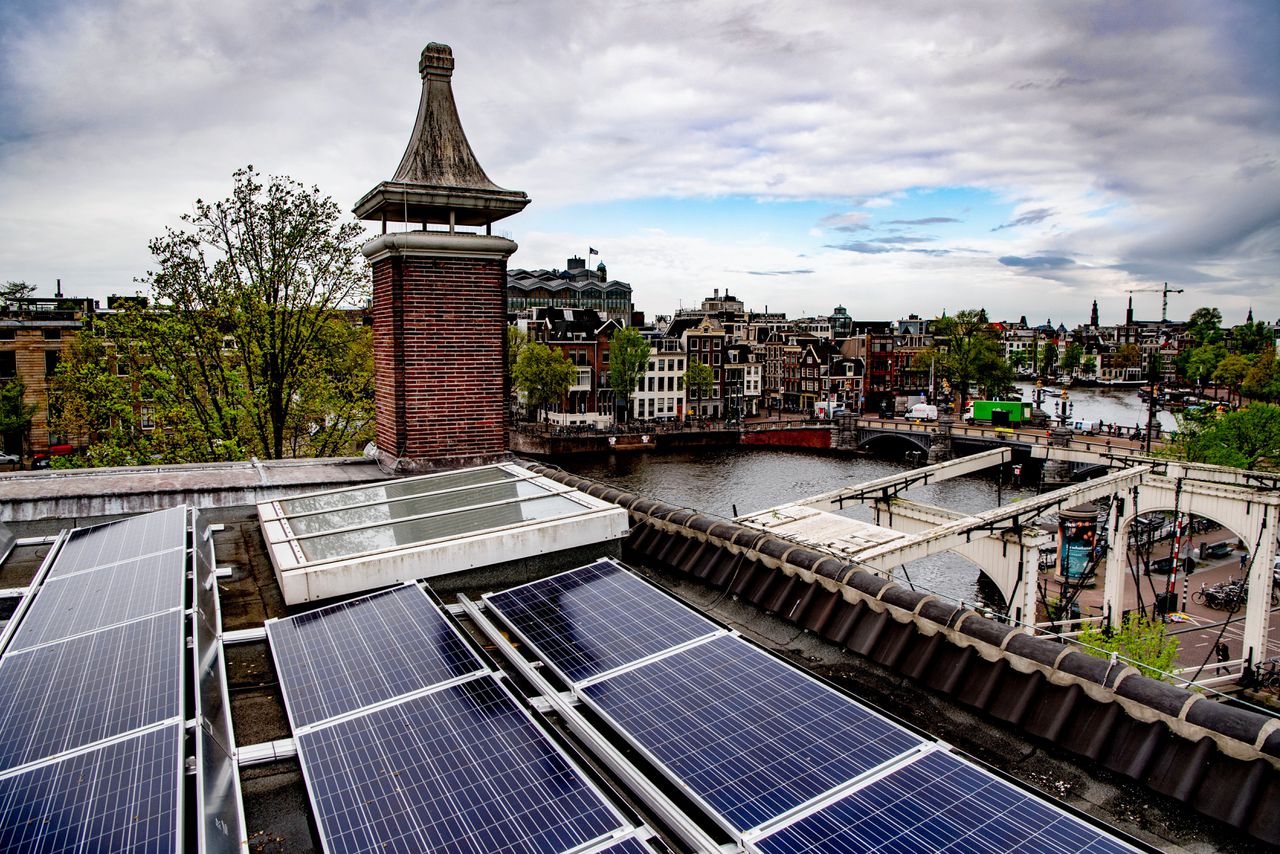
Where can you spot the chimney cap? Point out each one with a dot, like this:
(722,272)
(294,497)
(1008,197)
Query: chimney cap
(439,179)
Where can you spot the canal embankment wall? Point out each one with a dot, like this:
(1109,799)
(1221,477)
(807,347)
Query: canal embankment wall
(1217,759)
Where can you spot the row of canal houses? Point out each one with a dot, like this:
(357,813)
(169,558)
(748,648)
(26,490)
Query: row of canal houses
(764,363)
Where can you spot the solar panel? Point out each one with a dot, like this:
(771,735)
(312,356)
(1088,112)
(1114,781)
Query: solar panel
(745,733)
(626,845)
(595,618)
(460,769)
(70,694)
(117,541)
(125,796)
(939,802)
(348,656)
(86,601)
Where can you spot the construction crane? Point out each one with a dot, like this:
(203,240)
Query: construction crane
(1164,302)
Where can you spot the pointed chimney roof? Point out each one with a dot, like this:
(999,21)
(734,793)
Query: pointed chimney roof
(439,176)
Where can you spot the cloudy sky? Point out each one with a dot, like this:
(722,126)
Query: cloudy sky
(893,157)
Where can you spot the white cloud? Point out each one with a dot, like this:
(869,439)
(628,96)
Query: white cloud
(1148,130)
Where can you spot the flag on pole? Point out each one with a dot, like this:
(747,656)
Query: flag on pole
(591,251)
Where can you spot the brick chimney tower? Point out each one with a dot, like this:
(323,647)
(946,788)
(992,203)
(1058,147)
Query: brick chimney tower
(439,293)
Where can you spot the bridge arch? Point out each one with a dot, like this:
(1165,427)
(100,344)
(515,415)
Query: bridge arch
(1251,517)
(886,440)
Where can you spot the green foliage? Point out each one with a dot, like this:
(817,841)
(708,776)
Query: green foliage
(516,340)
(1049,358)
(1205,326)
(246,325)
(542,374)
(1248,438)
(1203,362)
(698,379)
(1262,382)
(1231,371)
(1144,644)
(966,352)
(1071,357)
(628,361)
(1248,339)
(15,414)
(1089,366)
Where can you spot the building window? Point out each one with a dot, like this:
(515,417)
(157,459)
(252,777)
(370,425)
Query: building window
(8,364)
(8,335)
(51,358)
(147,417)
(53,334)
(122,367)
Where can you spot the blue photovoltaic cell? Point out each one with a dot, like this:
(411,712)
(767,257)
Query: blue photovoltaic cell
(347,656)
(939,803)
(748,734)
(122,797)
(87,601)
(461,769)
(596,618)
(66,695)
(117,541)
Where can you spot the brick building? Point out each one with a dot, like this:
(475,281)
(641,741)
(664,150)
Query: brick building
(439,296)
(33,334)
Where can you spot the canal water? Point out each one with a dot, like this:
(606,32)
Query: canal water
(728,482)
(719,481)
(1109,405)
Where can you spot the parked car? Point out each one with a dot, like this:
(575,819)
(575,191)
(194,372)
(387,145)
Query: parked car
(10,460)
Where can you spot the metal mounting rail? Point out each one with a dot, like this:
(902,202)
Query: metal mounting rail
(676,819)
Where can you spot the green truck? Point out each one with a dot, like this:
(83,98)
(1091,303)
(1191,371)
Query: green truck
(999,412)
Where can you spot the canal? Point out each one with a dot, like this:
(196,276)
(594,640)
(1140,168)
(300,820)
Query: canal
(718,481)
(736,481)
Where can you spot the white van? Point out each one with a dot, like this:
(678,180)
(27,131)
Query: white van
(923,412)
(1091,428)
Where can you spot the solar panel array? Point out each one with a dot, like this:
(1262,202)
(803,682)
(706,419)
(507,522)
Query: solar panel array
(781,760)
(409,743)
(91,694)
(939,802)
(596,618)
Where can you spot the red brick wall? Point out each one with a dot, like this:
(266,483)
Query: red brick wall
(439,337)
(796,438)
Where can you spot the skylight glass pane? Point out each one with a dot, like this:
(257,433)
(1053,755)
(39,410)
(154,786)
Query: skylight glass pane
(394,489)
(408,533)
(431,503)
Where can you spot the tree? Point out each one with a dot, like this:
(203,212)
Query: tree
(1248,438)
(93,396)
(967,351)
(1248,339)
(1205,326)
(1231,372)
(698,380)
(628,361)
(11,291)
(1089,367)
(543,375)
(1203,362)
(15,413)
(1263,380)
(1049,358)
(1142,643)
(248,297)
(1071,357)
(1128,356)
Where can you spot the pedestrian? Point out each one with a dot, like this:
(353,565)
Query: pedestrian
(1224,652)
(1244,561)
